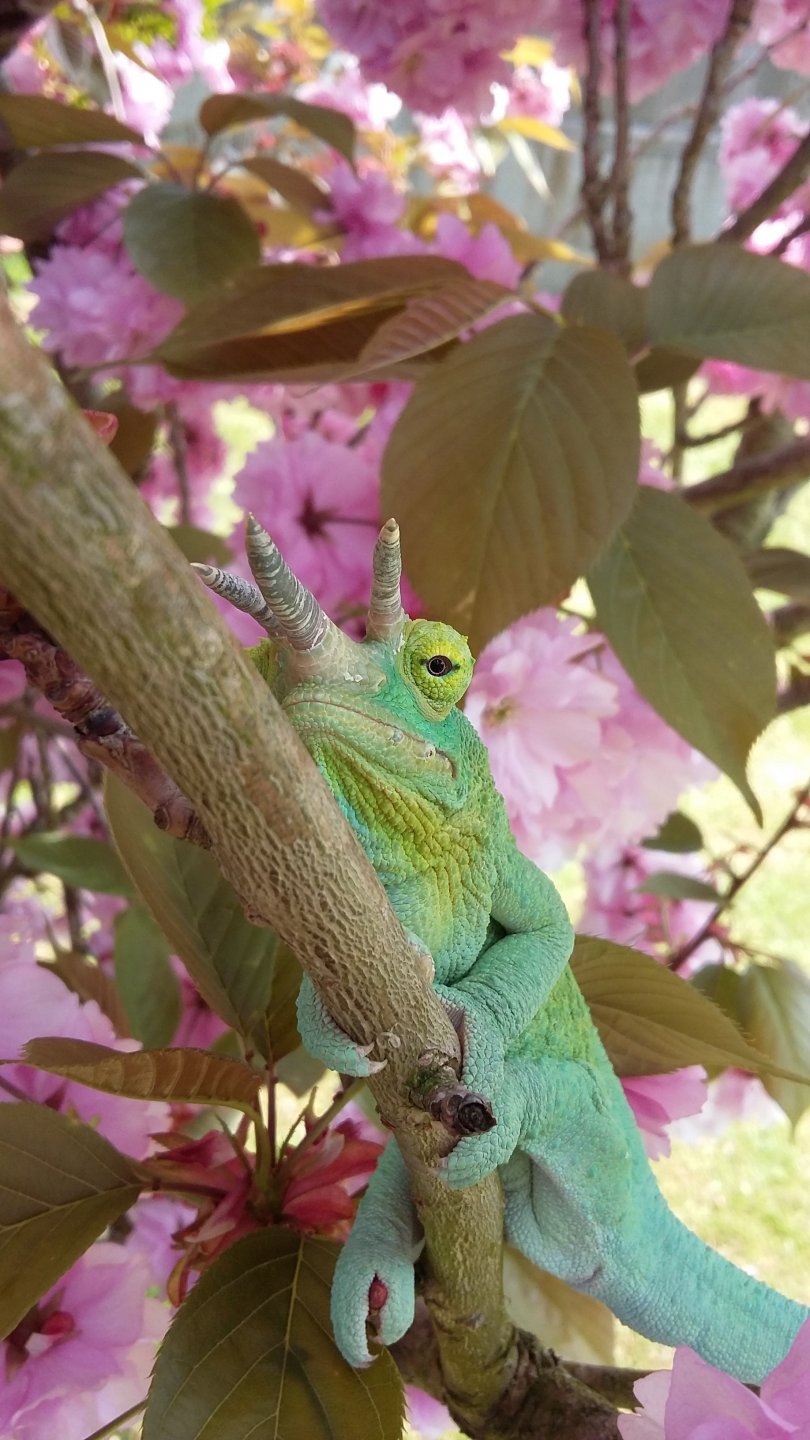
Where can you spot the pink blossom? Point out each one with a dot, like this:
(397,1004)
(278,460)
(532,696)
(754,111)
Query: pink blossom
(34,1002)
(190,54)
(371,107)
(320,502)
(446,149)
(579,756)
(664,38)
(784,27)
(694,1401)
(147,99)
(157,1221)
(733,1096)
(95,307)
(366,205)
(542,93)
(656,1100)
(204,458)
(487,255)
(428,1417)
(757,137)
(618,908)
(84,1353)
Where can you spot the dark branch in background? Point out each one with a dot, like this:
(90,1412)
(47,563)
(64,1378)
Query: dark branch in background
(793,173)
(752,476)
(795,694)
(620,174)
(101,734)
(17,16)
(800,228)
(707,115)
(593,185)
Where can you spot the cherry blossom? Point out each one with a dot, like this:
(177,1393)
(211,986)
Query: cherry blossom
(657,1100)
(784,27)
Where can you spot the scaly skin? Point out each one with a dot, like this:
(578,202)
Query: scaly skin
(412,778)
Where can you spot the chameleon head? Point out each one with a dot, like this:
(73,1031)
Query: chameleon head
(386,704)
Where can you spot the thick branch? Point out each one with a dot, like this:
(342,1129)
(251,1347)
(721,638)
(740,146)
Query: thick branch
(748,478)
(708,110)
(793,174)
(84,554)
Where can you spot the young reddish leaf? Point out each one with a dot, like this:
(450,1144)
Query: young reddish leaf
(63,1184)
(147,985)
(188,242)
(184,1074)
(232,963)
(723,302)
(43,189)
(104,423)
(509,467)
(34,123)
(221,112)
(294,186)
(250,1353)
(651,1022)
(76,859)
(774,1008)
(676,605)
(428,322)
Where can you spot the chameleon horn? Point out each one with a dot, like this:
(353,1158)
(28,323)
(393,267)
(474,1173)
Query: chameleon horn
(301,621)
(241,594)
(386,616)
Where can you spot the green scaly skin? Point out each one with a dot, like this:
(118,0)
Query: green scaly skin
(412,778)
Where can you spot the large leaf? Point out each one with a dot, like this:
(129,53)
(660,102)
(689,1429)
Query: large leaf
(184,1074)
(188,242)
(62,1185)
(251,1354)
(34,123)
(512,464)
(786,571)
(722,302)
(651,1022)
(147,985)
(221,112)
(231,962)
(774,1007)
(294,186)
(76,859)
(675,603)
(43,189)
(596,297)
(575,1326)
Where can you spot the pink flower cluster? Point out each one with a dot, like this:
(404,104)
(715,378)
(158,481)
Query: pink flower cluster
(693,1401)
(657,1100)
(783,26)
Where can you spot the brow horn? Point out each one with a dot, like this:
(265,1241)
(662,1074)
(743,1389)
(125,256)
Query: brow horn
(386,616)
(241,594)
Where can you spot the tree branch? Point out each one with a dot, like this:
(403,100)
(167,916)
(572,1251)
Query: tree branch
(793,173)
(593,185)
(620,174)
(752,476)
(83,553)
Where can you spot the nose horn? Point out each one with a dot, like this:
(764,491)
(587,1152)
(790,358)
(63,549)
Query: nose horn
(386,616)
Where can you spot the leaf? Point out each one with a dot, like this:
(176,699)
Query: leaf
(774,1005)
(522,450)
(147,985)
(77,860)
(674,601)
(62,1186)
(182,1075)
(662,368)
(782,570)
(294,186)
(572,1325)
(596,297)
(428,322)
(85,978)
(133,440)
(200,545)
(188,242)
(231,962)
(277,1034)
(43,189)
(33,123)
(651,1022)
(723,302)
(678,834)
(533,129)
(251,1354)
(669,885)
(221,112)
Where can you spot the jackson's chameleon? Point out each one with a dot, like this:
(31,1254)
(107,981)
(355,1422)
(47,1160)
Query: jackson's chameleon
(411,775)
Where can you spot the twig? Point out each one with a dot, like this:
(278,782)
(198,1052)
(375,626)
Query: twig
(747,478)
(105,56)
(790,822)
(179,448)
(800,228)
(593,185)
(120,1420)
(708,110)
(620,174)
(789,178)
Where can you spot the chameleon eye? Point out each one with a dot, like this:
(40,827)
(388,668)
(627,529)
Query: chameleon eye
(439,665)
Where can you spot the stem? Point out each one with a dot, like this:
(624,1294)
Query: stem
(179,448)
(620,174)
(747,478)
(789,823)
(321,1125)
(118,1422)
(593,186)
(105,55)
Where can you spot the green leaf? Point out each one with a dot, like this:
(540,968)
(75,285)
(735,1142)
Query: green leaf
(522,449)
(661,369)
(596,297)
(34,123)
(669,885)
(147,985)
(782,570)
(678,834)
(77,860)
(200,545)
(182,1075)
(43,189)
(723,302)
(774,1006)
(63,1184)
(429,322)
(276,1034)
(571,1324)
(674,601)
(651,1022)
(133,440)
(221,112)
(188,242)
(231,962)
(294,186)
(250,1354)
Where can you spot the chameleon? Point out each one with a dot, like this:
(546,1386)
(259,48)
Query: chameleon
(381,719)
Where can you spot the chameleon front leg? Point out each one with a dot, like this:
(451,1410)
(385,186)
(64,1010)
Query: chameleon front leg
(324,1039)
(374,1276)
